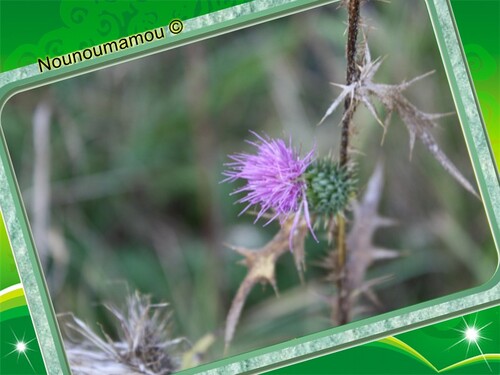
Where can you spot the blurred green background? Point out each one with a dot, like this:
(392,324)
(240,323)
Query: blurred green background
(121,183)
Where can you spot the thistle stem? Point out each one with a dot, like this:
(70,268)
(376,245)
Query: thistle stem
(342,311)
(349,107)
(351,76)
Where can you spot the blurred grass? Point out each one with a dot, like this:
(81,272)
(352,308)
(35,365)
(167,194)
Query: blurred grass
(135,171)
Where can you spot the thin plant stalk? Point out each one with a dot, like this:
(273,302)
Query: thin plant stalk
(342,311)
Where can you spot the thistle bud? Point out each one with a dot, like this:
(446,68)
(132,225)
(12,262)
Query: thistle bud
(330,187)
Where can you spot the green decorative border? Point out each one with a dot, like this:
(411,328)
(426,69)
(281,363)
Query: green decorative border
(15,318)
(65,26)
(469,344)
(313,345)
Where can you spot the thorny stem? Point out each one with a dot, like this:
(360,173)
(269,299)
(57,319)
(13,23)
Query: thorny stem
(352,75)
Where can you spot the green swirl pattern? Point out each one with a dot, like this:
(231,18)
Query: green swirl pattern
(81,24)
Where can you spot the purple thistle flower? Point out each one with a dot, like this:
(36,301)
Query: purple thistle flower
(274,180)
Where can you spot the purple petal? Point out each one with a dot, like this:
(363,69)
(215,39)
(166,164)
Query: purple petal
(274,178)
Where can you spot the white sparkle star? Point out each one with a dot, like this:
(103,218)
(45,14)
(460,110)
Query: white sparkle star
(471,334)
(21,347)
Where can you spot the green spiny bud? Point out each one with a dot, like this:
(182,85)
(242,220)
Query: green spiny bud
(330,187)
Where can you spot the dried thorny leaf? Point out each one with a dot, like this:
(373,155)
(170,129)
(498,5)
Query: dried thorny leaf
(144,344)
(367,290)
(361,252)
(261,264)
(419,123)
